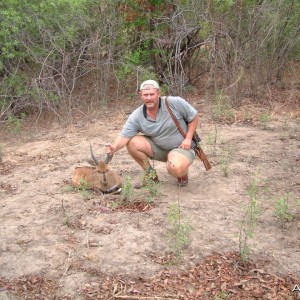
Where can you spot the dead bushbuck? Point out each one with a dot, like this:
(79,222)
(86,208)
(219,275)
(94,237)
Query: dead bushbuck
(99,177)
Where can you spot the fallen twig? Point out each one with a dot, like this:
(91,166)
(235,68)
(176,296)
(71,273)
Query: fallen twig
(143,298)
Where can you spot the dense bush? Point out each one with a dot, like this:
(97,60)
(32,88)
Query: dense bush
(48,48)
(41,43)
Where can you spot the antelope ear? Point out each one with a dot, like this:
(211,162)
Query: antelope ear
(91,162)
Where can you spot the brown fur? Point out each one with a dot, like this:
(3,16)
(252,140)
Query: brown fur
(93,176)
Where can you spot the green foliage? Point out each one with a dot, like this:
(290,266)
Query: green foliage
(149,191)
(48,46)
(282,210)
(67,221)
(221,296)
(14,123)
(213,138)
(84,188)
(222,110)
(265,118)
(133,61)
(10,23)
(61,18)
(34,25)
(12,90)
(128,193)
(138,13)
(150,186)
(178,236)
(68,188)
(290,131)
(222,5)
(205,30)
(248,223)
(36,37)
(225,159)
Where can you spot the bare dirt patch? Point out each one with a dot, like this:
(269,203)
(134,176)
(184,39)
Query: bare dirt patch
(57,244)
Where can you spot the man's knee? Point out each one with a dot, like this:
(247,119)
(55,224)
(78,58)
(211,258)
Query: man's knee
(139,144)
(177,167)
(133,142)
(178,164)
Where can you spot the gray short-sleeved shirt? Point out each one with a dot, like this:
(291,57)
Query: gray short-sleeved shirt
(162,131)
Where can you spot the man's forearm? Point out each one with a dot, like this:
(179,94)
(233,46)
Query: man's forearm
(192,127)
(120,142)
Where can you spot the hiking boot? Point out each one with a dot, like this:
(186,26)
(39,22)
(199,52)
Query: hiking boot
(182,181)
(148,178)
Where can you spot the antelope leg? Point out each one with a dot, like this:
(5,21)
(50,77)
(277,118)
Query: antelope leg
(114,188)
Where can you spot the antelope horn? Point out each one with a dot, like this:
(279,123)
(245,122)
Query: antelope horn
(93,156)
(108,158)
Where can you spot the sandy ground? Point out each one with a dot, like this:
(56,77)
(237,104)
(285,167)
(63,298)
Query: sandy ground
(51,230)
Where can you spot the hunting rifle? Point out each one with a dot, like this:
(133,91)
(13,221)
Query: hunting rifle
(199,152)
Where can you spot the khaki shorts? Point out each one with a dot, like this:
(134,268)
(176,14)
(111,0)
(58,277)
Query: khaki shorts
(162,155)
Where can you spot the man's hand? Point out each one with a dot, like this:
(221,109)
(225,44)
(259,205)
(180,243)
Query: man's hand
(109,148)
(186,144)
(118,144)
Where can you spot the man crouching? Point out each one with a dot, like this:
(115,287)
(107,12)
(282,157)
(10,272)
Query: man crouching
(160,140)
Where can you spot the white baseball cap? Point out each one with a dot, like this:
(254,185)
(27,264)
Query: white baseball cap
(148,84)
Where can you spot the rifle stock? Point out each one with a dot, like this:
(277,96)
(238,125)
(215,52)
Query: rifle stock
(203,157)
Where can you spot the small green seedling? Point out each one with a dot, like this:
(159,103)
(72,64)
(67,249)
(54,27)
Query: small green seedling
(128,193)
(85,189)
(248,223)
(150,186)
(178,235)
(282,210)
(265,119)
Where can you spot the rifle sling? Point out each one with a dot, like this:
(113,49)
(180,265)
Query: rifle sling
(174,118)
